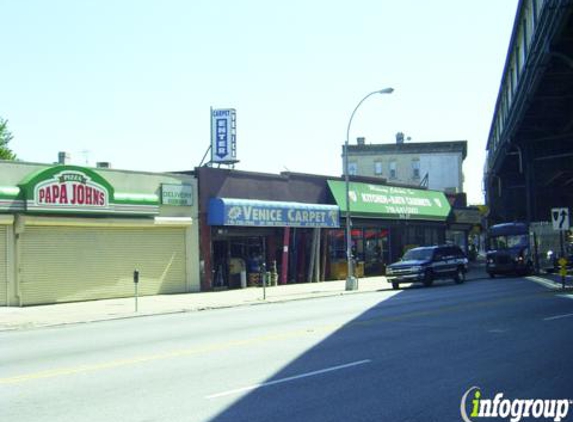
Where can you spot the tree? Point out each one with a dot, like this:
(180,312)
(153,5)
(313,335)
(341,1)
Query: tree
(5,137)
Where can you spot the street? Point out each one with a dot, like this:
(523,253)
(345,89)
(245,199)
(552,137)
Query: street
(407,355)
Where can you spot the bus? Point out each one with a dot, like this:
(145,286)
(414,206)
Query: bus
(509,250)
(521,249)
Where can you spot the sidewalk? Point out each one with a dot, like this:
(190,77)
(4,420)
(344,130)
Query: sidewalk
(109,309)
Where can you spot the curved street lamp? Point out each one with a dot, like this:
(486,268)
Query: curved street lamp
(351,281)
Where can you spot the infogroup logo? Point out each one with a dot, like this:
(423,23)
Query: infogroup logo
(514,409)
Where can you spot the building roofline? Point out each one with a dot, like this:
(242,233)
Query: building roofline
(285,175)
(96,169)
(443,146)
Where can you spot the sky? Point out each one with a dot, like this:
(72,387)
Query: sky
(131,82)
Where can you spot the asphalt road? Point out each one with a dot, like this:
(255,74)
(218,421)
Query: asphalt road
(385,356)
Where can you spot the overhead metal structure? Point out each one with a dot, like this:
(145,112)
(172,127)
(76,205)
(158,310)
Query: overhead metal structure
(529,166)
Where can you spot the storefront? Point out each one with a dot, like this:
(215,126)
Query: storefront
(70,233)
(386,221)
(252,237)
(248,219)
(464,221)
(246,222)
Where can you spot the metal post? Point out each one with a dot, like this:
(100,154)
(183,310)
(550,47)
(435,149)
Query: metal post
(350,280)
(536,249)
(530,205)
(263,280)
(351,283)
(561,243)
(136,283)
(355,265)
(562,260)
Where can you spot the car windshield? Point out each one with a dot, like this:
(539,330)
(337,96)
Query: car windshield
(418,255)
(508,242)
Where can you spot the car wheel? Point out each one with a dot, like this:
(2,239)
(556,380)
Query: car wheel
(460,276)
(428,279)
(491,275)
(395,285)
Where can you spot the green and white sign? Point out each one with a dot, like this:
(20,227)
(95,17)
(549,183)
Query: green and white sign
(77,190)
(179,195)
(391,202)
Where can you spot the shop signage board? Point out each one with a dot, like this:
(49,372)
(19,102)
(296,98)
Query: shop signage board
(467,216)
(178,195)
(244,212)
(77,190)
(224,135)
(380,201)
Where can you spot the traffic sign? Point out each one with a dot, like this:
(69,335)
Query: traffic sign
(560,218)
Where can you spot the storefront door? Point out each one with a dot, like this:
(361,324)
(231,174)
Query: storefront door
(376,251)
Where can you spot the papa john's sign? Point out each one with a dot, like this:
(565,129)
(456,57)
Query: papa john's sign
(68,189)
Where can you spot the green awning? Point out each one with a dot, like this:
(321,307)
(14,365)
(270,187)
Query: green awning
(391,202)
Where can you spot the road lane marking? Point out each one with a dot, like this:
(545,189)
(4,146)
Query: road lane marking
(543,281)
(288,379)
(216,347)
(281,336)
(557,317)
(497,331)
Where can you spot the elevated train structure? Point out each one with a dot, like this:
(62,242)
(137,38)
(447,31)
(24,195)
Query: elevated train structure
(529,165)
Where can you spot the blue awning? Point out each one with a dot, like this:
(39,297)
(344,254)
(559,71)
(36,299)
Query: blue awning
(248,212)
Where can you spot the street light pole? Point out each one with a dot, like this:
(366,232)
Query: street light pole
(351,282)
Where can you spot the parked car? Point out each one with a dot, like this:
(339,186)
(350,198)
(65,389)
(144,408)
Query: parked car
(429,263)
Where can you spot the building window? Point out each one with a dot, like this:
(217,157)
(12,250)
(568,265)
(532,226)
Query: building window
(378,168)
(416,168)
(392,169)
(352,169)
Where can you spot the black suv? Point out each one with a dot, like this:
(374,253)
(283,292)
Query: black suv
(428,263)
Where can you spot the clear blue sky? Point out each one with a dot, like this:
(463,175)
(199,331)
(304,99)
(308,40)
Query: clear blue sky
(132,81)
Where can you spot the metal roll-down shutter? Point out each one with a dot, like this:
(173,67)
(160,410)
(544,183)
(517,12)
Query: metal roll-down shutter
(66,264)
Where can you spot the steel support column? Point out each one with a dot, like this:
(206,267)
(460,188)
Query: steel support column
(529,175)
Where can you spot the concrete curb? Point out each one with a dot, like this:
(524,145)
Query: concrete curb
(27,318)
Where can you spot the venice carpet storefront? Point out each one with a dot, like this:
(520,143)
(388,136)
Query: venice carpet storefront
(254,235)
(73,233)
